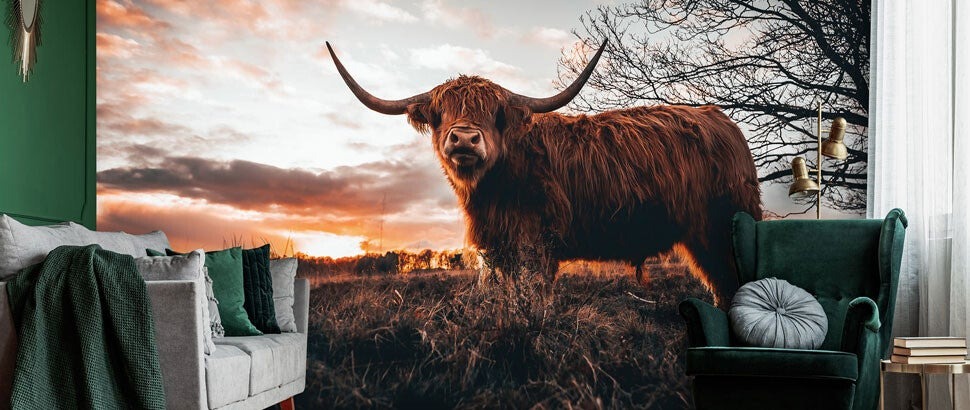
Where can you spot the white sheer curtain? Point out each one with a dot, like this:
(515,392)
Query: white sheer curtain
(919,150)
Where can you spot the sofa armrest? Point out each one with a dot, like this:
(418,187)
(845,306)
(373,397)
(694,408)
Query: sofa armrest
(706,324)
(178,333)
(301,304)
(178,325)
(860,335)
(8,348)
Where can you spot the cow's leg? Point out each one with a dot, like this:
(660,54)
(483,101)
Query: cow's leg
(550,267)
(713,259)
(715,269)
(539,260)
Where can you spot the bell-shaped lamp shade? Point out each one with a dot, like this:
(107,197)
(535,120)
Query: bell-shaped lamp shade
(833,147)
(803,186)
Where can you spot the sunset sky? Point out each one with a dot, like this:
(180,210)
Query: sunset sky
(226,119)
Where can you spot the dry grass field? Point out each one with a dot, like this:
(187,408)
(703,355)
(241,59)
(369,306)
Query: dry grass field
(436,340)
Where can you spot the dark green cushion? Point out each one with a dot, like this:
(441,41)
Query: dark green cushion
(226,271)
(769,362)
(152,252)
(258,286)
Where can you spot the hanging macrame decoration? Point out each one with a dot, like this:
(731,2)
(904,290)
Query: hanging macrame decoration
(24,23)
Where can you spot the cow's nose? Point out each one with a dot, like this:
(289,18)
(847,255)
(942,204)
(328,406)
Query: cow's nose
(464,137)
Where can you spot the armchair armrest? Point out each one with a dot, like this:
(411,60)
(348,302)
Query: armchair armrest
(861,326)
(860,335)
(706,324)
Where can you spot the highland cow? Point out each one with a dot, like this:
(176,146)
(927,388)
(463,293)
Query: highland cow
(540,187)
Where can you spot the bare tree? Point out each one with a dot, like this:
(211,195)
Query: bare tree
(767,63)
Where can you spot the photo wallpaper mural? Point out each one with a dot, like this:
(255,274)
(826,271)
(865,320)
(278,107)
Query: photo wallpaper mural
(499,204)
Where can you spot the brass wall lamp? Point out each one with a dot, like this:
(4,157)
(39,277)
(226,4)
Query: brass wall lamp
(803,185)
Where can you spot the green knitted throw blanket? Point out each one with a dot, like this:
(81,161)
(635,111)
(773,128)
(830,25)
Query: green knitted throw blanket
(87,339)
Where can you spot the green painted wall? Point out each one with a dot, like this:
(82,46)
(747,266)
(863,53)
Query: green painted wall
(47,125)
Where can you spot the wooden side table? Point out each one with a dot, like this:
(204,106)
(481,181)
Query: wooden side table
(922,370)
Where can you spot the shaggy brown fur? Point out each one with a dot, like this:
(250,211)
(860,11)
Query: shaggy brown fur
(621,185)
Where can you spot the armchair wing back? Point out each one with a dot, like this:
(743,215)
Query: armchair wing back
(835,260)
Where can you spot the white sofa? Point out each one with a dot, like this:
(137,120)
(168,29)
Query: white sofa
(251,372)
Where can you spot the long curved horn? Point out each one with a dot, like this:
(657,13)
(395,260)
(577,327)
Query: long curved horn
(557,101)
(391,107)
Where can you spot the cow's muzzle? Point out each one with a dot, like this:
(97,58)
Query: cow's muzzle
(465,146)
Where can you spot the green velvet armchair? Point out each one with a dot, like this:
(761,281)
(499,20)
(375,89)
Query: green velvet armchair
(852,268)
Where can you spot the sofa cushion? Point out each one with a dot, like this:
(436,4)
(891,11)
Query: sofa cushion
(151,240)
(227,373)
(291,354)
(258,287)
(284,273)
(276,359)
(181,267)
(118,242)
(22,245)
(769,362)
(212,306)
(225,269)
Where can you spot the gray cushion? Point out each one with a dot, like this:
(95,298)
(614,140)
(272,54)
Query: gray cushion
(151,240)
(22,245)
(189,266)
(277,359)
(227,373)
(291,355)
(118,242)
(284,272)
(774,313)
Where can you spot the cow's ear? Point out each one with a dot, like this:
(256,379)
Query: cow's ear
(511,117)
(422,118)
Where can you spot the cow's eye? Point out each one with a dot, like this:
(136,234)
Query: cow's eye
(500,120)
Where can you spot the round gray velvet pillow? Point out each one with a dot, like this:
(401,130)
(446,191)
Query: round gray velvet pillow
(774,313)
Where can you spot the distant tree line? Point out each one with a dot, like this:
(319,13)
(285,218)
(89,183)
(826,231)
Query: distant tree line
(389,263)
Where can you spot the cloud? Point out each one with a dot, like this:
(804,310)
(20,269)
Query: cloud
(379,10)
(447,57)
(252,74)
(199,202)
(472,61)
(110,45)
(376,78)
(117,120)
(125,14)
(248,14)
(342,192)
(342,120)
(550,37)
(440,12)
